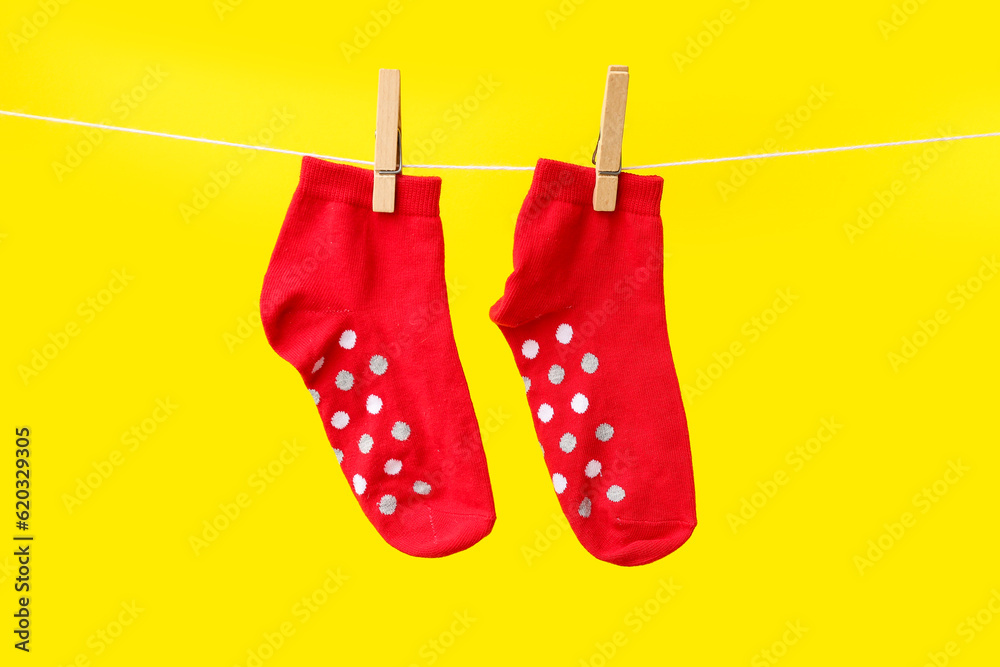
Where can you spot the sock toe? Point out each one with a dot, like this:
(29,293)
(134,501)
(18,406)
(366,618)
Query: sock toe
(432,532)
(632,542)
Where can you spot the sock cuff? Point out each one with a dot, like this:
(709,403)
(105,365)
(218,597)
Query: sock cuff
(574,184)
(415,195)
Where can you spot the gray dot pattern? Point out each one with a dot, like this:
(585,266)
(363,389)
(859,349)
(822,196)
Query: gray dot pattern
(387,504)
(604,432)
(401,431)
(589,363)
(378,364)
(556,374)
(344,380)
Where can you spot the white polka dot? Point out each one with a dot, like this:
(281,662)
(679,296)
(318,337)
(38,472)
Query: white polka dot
(319,364)
(373,404)
(530,349)
(527,383)
(359,484)
(579,404)
(604,432)
(348,339)
(564,334)
(423,488)
(387,504)
(616,493)
(589,363)
(585,507)
(393,466)
(556,374)
(365,443)
(315,395)
(344,380)
(567,442)
(378,364)
(340,455)
(401,430)
(559,482)
(545,412)
(339,419)
(593,468)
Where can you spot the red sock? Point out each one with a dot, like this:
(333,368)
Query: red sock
(584,316)
(356,302)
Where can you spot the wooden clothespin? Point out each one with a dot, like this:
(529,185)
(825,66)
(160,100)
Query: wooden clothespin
(608,154)
(388,142)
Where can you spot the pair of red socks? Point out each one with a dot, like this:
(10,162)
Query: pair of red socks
(345,299)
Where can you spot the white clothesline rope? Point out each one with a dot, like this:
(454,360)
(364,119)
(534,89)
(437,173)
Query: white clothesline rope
(494,167)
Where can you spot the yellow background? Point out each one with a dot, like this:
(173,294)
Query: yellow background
(169,334)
